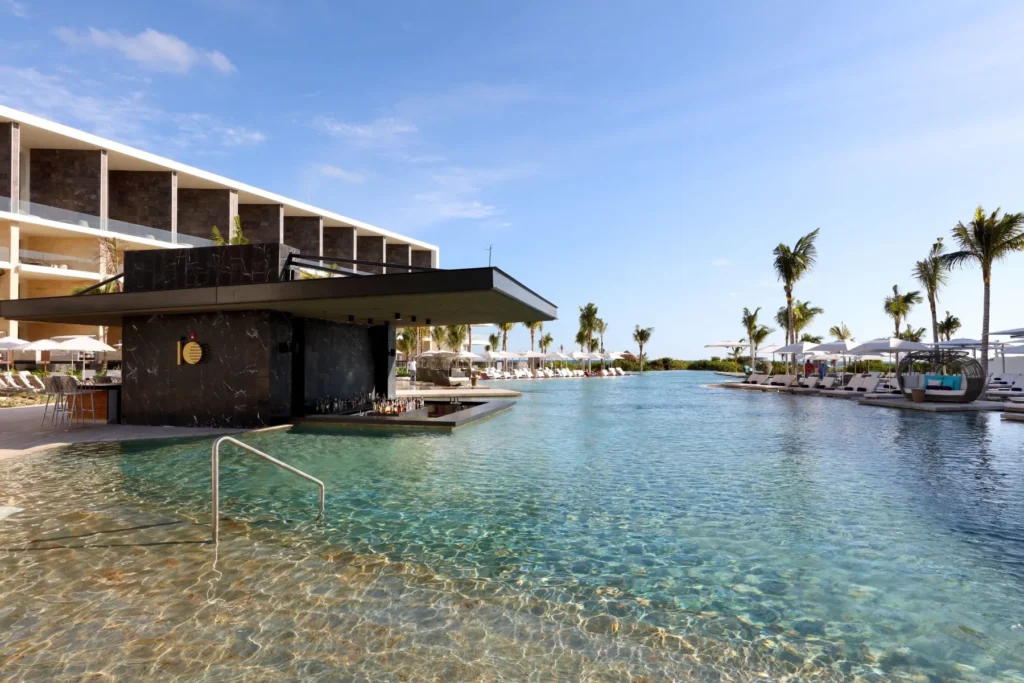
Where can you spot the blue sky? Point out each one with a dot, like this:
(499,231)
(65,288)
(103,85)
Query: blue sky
(643,156)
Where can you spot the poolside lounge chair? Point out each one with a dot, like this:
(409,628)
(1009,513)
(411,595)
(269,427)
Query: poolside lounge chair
(754,378)
(32,381)
(808,382)
(16,382)
(1015,389)
(782,381)
(855,383)
(869,385)
(827,384)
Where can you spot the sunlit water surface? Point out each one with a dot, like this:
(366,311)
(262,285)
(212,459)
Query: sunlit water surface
(616,529)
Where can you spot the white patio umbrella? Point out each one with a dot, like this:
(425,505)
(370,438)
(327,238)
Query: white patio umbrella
(890,345)
(1014,350)
(1016,332)
(42,345)
(800,349)
(11,344)
(86,344)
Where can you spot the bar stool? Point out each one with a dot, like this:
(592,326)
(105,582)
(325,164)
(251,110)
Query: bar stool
(55,391)
(74,389)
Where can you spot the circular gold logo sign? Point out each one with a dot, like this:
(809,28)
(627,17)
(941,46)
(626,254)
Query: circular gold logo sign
(192,353)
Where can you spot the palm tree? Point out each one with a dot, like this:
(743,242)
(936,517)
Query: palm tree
(534,328)
(600,328)
(948,326)
(494,340)
(759,336)
(912,334)
(898,306)
(581,340)
(791,264)
(736,351)
(642,335)
(803,314)
(749,322)
(456,335)
(593,345)
(545,342)
(984,241)
(407,343)
(811,338)
(238,238)
(588,324)
(505,328)
(841,332)
(932,274)
(439,336)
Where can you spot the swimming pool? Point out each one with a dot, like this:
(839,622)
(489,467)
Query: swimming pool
(602,529)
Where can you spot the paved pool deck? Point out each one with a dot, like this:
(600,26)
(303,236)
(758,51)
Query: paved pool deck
(458,392)
(21,433)
(884,401)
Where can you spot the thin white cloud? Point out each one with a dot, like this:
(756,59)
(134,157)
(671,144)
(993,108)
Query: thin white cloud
(384,132)
(441,207)
(124,116)
(199,130)
(721,263)
(354,177)
(16,8)
(150,49)
(424,158)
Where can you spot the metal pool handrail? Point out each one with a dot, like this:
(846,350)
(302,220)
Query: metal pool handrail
(215,477)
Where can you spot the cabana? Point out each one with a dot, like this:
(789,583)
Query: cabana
(948,376)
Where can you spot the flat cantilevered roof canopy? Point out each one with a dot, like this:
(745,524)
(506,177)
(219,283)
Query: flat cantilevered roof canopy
(442,297)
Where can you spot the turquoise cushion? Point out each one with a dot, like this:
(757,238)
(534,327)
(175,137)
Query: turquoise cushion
(951,382)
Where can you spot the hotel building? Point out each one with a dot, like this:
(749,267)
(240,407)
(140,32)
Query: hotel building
(72,203)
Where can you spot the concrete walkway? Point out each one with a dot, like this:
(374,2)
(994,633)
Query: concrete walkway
(21,434)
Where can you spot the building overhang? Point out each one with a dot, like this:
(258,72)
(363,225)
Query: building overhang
(435,297)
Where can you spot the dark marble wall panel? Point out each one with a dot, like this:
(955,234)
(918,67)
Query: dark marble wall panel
(303,233)
(230,387)
(69,179)
(398,255)
(142,197)
(168,269)
(422,258)
(200,210)
(261,222)
(9,159)
(370,248)
(340,243)
(339,361)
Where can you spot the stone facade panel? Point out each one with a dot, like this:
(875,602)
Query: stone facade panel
(370,248)
(261,223)
(142,197)
(303,233)
(70,179)
(200,210)
(398,255)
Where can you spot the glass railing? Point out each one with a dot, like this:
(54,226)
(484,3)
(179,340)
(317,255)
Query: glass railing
(85,220)
(58,261)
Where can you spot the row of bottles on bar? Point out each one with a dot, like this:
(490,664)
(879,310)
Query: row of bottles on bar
(396,406)
(360,403)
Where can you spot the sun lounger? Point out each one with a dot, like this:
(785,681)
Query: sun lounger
(782,381)
(32,381)
(808,383)
(1015,389)
(827,384)
(16,382)
(755,378)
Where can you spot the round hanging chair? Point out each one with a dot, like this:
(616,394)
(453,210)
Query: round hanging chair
(937,371)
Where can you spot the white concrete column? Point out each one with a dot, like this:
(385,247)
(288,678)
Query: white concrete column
(15,170)
(104,191)
(13,276)
(25,189)
(232,212)
(174,207)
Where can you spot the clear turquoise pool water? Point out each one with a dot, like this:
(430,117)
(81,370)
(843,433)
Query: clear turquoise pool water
(809,534)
